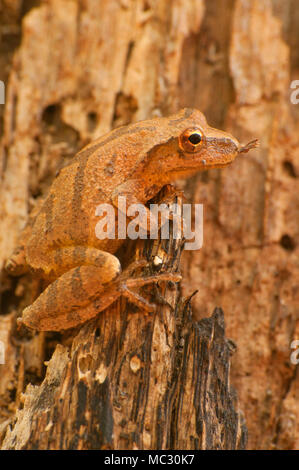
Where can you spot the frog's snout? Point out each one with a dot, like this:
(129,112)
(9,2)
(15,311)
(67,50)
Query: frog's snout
(222,148)
(222,143)
(234,147)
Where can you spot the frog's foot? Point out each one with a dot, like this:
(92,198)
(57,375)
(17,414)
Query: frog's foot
(169,193)
(16,265)
(127,285)
(170,210)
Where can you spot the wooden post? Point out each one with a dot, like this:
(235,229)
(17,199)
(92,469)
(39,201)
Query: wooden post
(131,380)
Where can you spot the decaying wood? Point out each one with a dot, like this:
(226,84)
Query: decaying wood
(137,381)
(136,394)
(131,382)
(233,60)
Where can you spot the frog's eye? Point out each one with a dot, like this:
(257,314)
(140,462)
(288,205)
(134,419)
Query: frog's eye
(191,139)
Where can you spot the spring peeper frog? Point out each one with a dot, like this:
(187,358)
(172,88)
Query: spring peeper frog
(60,243)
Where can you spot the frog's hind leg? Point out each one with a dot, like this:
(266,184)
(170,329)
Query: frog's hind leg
(84,291)
(60,260)
(65,302)
(16,265)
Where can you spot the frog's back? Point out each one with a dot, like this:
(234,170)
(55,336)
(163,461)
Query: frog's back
(68,215)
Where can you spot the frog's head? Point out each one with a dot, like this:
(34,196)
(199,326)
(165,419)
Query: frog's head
(201,147)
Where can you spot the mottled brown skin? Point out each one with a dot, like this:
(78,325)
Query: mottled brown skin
(60,244)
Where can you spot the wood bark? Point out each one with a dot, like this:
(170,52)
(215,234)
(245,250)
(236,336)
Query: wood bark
(132,380)
(75,69)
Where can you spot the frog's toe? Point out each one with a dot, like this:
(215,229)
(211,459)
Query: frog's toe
(137,299)
(14,269)
(16,265)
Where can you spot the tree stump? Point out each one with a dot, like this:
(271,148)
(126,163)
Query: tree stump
(131,380)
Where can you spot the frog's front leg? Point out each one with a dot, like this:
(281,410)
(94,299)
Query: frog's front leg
(128,194)
(64,303)
(134,192)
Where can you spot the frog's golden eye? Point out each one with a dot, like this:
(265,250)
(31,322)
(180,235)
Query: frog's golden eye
(191,139)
